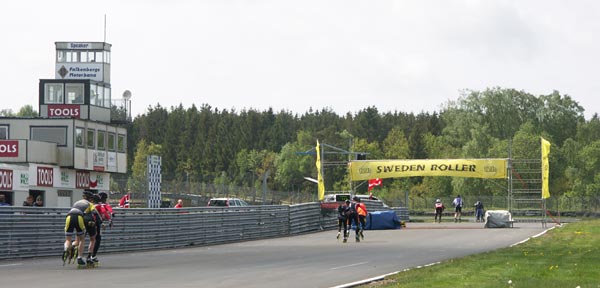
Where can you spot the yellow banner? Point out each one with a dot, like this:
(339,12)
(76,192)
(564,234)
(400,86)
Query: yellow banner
(545,168)
(473,168)
(321,183)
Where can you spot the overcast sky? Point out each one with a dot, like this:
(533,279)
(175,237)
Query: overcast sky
(409,56)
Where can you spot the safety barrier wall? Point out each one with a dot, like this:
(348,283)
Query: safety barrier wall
(35,231)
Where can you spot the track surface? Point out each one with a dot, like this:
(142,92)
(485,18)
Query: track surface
(311,260)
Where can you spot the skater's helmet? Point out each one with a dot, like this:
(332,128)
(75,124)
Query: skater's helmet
(438,200)
(87,195)
(103,196)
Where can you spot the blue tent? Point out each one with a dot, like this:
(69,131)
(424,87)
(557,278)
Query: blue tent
(380,220)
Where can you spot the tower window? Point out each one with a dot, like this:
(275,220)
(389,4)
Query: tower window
(54,93)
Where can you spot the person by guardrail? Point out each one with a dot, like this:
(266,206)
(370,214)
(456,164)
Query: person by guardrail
(124,202)
(3,200)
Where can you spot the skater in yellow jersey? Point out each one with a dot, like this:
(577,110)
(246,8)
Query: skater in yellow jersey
(74,224)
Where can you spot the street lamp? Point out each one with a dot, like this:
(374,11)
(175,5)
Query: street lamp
(127,98)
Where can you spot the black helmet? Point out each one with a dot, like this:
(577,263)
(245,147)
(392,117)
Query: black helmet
(87,194)
(356,199)
(103,196)
(95,198)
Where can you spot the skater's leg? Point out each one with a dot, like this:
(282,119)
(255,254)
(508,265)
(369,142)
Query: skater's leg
(96,247)
(80,247)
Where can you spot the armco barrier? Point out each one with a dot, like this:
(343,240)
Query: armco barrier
(35,231)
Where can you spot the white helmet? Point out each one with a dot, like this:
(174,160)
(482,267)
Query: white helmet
(437,201)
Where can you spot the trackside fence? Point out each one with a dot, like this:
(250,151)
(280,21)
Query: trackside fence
(36,231)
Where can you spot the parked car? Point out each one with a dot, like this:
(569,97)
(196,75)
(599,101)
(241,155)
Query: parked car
(369,197)
(332,201)
(226,202)
(366,197)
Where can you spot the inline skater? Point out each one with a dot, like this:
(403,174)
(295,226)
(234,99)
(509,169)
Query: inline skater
(439,208)
(75,225)
(361,210)
(105,211)
(353,217)
(458,204)
(342,221)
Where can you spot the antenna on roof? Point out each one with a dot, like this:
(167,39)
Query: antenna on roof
(104,28)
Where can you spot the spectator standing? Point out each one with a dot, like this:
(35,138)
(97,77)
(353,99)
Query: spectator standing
(478,211)
(124,202)
(179,204)
(3,200)
(28,201)
(39,202)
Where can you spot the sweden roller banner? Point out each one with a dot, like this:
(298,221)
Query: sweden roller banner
(473,168)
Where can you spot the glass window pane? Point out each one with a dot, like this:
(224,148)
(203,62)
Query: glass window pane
(93,94)
(90,138)
(121,143)
(100,97)
(56,135)
(74,93)
(4,132)
(111,142)
(100,142)
(60,56)
(99,56)
(106,97)
(107,57)
(84,57)
(79,137)
(91,56)
(54,93)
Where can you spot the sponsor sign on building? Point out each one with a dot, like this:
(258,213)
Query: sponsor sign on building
(9,148)
(82,179)
(99,158)
(93,71)
(64,111)
(6,179)
(45,176)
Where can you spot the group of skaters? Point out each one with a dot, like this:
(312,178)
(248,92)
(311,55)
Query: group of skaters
(89,216)
(458,204)
(349,213)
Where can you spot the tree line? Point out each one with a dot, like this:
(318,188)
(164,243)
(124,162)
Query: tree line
(220,146)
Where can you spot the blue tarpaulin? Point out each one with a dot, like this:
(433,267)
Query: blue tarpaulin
(380,220)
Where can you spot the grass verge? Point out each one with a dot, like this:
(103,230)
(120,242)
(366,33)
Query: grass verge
(567,256)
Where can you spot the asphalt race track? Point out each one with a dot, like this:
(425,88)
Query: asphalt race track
(311,260)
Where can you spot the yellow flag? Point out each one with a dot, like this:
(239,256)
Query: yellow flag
(545,168)
(321,182)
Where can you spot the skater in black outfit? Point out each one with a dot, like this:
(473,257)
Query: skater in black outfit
(342,221)
(353,217)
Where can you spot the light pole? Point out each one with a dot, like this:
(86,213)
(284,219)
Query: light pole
(127,100)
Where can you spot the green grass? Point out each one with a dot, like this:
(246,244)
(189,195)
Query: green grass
(567,256)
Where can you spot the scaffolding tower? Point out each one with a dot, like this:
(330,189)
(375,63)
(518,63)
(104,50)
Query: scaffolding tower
(525,189)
